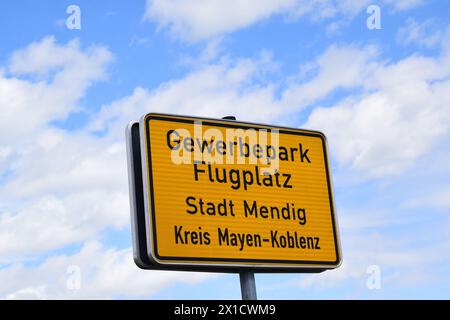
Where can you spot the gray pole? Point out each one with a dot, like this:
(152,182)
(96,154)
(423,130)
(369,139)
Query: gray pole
(247,278)
(248,285)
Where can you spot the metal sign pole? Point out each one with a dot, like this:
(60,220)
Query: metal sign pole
(247,278)
(248,285)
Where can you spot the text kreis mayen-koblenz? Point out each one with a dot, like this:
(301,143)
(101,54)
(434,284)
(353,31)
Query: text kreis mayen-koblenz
(241,240)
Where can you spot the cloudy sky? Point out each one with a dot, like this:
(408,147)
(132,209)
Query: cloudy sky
(380,90)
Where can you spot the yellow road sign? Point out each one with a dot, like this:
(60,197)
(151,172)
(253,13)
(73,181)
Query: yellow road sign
(227,194)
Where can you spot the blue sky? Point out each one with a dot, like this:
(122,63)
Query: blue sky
(382,97)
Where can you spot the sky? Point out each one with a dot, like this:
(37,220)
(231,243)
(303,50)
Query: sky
(373,76)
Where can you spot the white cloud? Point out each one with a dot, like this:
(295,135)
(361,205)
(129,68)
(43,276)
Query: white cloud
(404,261)
(214,90)
(51,222)
(64,188)
(61,73)
(339,67)
(320,10)
(196,20)
(104,273)
(69,161)
(78,187)
(241,87)
(356,262)
(201,19)
(45,56)
(45,171)
(401,114)
(424,34)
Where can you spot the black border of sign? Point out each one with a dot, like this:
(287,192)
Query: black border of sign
(137,202)
(238,125)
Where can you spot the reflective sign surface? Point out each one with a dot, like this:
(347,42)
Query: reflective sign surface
(227,193)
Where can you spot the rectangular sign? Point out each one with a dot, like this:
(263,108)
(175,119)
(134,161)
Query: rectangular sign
(220,194)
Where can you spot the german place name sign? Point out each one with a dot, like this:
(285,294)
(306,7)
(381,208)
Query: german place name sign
(223,195)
